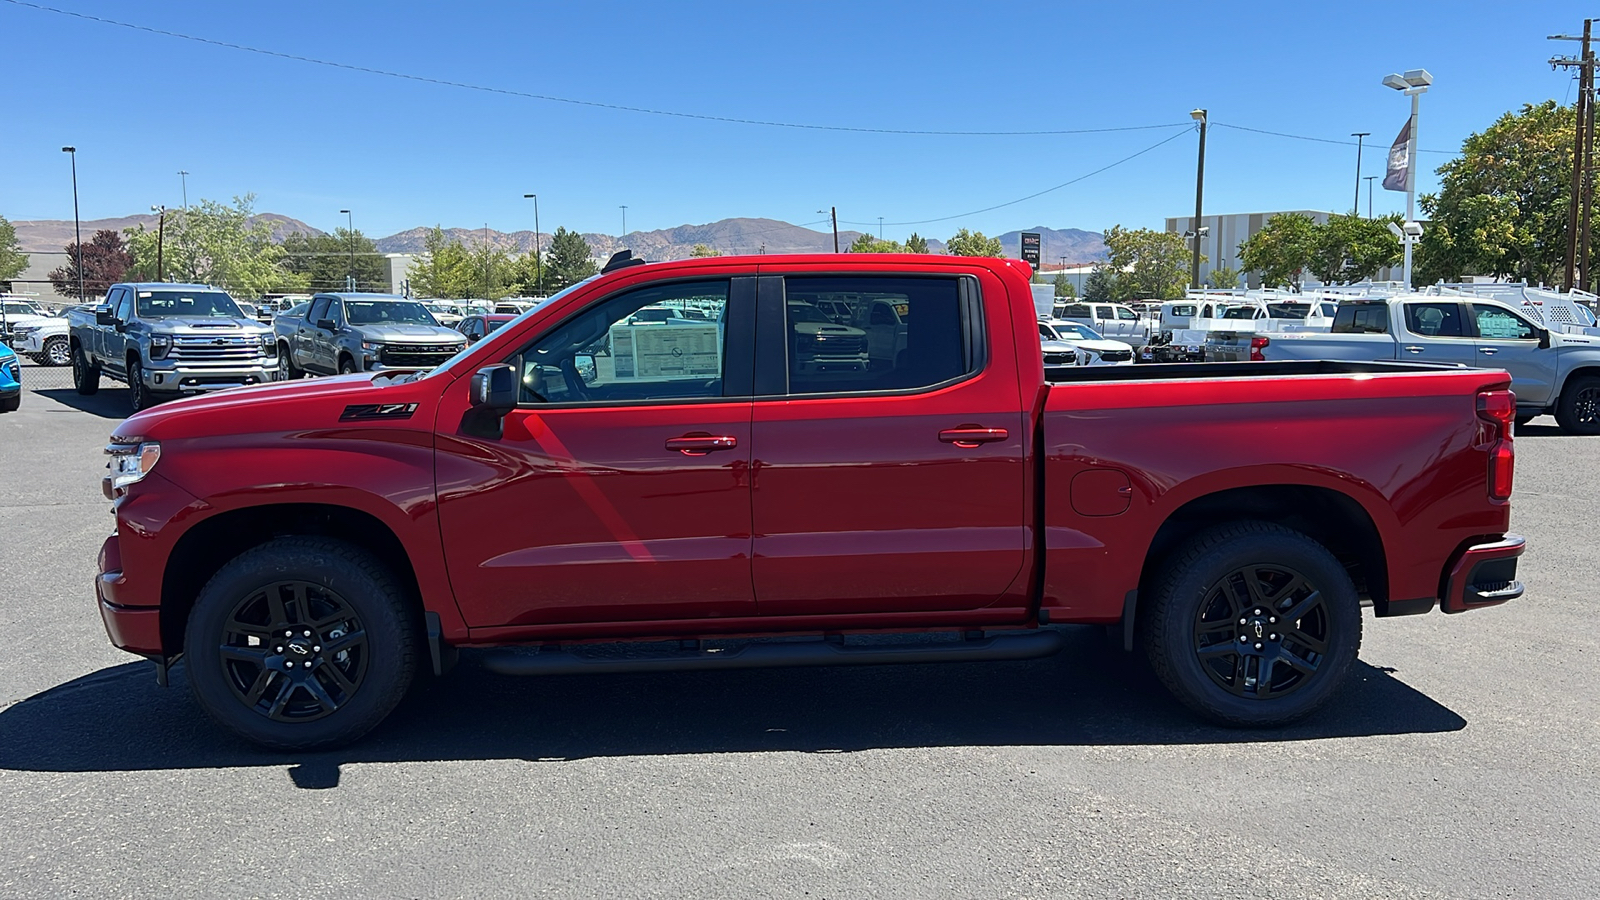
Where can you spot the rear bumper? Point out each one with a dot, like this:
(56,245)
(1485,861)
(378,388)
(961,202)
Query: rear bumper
(1483,575)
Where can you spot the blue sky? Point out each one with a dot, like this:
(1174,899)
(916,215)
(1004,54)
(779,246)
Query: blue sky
(310,140)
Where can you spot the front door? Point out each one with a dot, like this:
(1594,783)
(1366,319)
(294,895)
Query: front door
(897,489)
(1508,341)
(619,490)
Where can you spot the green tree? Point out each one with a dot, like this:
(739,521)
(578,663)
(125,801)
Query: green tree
(217,244)
(973,243)
(702,250)
(1224,278)
(1502,204)
(326,259)
(1101,286)
(524,274)
(1281,250)
(12,260)
(866,243)
(568,262)
(1153,265)
(1064,287)
(916,243)
(1349,248)
(444,269)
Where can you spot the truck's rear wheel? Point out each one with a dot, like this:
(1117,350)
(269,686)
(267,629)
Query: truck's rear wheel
(287,370)
(1253,624)
(300,643)
(1578,411)
(85,377)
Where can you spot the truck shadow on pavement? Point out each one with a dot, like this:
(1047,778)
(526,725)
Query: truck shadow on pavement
(117,719)
(110,403)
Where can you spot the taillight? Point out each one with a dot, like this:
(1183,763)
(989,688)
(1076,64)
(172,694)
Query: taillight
(1257,344)
(1499,409)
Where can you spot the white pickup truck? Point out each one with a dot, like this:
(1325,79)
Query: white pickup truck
(1554,368)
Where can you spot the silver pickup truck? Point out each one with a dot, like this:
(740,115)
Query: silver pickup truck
(343,333)
(168,340)
(1554,369)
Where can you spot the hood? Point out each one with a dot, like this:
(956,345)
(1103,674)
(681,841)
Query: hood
(1101,346)
(298,403)
(815,328)
(409,334)
(1057,347)
(206,325)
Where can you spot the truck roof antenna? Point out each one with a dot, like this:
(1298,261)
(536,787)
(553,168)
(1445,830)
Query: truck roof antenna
(621,260)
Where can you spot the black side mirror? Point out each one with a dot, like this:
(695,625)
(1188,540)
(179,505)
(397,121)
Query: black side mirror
(104,316)
(1544,339)
(324,324)
(494,389)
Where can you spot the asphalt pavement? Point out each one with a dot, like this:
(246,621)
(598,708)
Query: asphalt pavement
(1460,762)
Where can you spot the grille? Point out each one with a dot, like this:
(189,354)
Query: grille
(217,349)
(1058,359)
(1117,355)
(417,355)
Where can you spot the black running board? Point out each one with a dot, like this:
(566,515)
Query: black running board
(1031,645)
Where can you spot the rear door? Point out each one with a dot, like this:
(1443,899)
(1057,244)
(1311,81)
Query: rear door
(1506,340)
(307,350)
(899,489)
(1437,331)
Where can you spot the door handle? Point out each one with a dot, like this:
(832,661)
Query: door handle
(1488,351)
(1413,349)
(970,436)
(701,444)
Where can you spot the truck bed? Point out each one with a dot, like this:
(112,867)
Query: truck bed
(1189,371)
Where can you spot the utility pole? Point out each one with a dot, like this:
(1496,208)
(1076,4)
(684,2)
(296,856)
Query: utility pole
(185,178)
(1577,271)
(624,221)
(77,227)
(880,228)
(350,229)
(161,234)
(1370,179)
(833,213)
(1198,115)
(538,264)
(486,262)
(1360,137)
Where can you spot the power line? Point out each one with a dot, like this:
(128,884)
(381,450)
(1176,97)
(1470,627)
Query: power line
(1186,129)
(733,120)
(1297,137)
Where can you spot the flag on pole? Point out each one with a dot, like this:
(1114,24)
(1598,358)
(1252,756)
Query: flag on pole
(1399,160)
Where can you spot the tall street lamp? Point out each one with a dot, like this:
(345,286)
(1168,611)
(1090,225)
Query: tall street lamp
(161,235)
(624,209)
(538,264)
(1414,83)
(1369,180)
(1198,115)
(350,232)
(77,227)
(184,177)
(1360,137)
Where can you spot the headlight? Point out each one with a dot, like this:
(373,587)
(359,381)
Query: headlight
(371,347)
(130,463)
(269,345)
(159,345)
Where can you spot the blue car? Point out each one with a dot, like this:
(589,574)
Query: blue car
(10,380)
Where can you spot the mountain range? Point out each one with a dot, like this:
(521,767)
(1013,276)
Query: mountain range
(729,236)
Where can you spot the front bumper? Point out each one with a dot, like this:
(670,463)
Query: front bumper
(185,379)
(1483,575)
(136,629)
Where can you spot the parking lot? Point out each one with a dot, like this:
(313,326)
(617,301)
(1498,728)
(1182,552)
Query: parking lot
(1459,763)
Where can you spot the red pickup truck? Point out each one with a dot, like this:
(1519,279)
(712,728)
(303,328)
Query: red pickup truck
(586,476)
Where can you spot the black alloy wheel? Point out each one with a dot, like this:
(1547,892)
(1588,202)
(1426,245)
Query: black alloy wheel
(1261,631)
(293,651)
(1251,624)
(347,366)
(1578,412)
(302,642)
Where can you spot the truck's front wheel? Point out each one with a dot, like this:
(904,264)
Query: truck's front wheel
(138,395)
(300,643)
(1253,624)
(1578,412)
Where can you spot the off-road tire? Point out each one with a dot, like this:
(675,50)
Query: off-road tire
(85,377)
(138,395)
(1170,622)
(287,370)
(347,366)
(1578,410)
(365,585)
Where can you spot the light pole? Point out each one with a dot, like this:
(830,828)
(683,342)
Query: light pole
(77,227)
(624,209)
(833,213)
(1369,180)
(1414,83)
(1360,137)
(880,228)
(350,232)
(486,262)
(161,234)
(1198,115)
(538,264)
(184,177)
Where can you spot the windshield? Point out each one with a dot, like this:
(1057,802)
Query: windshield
(1073,331)
(20,309)
(387,312)
(805,312)
(654,315)
(204,304)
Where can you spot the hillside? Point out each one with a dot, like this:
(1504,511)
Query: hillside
(45,235)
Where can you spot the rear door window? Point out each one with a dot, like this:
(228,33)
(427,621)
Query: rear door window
(1365,318)
(1435,319)
(908,333)
(1126,314)
(1104,312)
